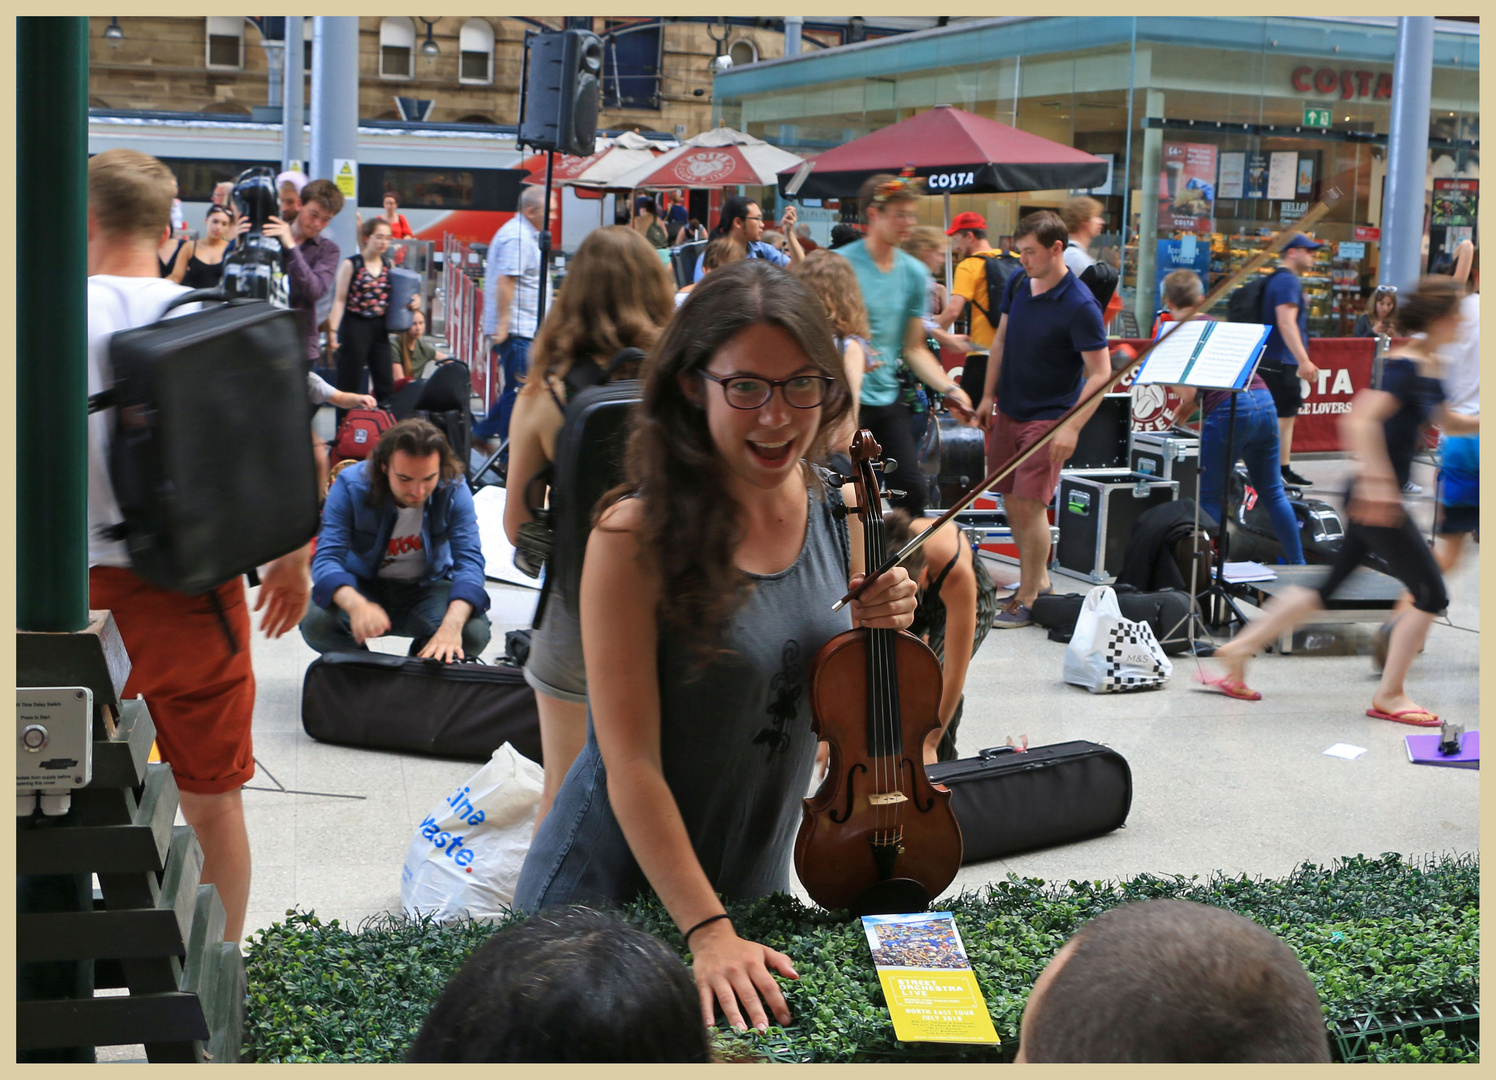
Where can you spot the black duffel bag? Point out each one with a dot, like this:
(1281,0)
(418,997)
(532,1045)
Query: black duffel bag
(1167,613)
(382,701)
(1008,800)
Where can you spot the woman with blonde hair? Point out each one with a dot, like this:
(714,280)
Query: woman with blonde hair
(1380,317)
(831,279)
(617,296)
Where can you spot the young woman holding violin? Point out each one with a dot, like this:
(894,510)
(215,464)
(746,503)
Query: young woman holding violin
(708,589)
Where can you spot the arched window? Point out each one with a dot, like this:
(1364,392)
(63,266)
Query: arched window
(743,52)
(225,41)
(397,43)
(477,51)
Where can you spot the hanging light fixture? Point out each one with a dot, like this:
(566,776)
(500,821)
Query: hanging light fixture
(112,33)
(429,47)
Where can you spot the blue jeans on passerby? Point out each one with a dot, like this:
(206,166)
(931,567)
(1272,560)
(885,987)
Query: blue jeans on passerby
(1255,443)
(513,355)
(415,611)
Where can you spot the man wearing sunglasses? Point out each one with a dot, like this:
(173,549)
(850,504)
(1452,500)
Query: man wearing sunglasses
(742,222)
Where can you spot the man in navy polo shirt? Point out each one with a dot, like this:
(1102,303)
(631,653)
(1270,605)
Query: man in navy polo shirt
(1049,351)
(1285,358)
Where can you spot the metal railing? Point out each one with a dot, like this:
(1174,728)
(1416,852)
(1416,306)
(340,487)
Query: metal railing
(462,311)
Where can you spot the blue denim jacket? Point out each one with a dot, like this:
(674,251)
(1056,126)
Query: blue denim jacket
(354,536)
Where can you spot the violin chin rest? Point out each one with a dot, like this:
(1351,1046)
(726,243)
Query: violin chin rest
(895,896)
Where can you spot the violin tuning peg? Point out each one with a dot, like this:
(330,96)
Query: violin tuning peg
(895,494)
(889,465)
(836,479)
(842,511)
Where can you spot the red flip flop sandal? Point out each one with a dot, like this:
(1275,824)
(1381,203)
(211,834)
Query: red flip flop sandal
(1231,687)
(1406,716)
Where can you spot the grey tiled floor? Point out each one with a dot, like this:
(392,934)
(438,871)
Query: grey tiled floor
(1218,783)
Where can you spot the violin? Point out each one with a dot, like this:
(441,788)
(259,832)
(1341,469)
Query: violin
(878,837)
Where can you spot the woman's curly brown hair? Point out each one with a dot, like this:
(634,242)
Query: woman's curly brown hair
(834,282)
(617,295)
(691,526)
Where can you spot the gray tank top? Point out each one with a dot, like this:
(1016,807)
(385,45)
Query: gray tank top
(736,743)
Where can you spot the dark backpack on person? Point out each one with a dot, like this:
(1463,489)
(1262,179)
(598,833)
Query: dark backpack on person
(210,452)
(999,270)
(1245,304)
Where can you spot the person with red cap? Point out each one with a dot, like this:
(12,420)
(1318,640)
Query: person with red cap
(968,233)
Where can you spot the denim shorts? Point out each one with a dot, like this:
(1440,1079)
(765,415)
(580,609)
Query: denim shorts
(555,666)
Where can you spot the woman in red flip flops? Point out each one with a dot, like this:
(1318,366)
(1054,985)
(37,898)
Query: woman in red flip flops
(1383,429)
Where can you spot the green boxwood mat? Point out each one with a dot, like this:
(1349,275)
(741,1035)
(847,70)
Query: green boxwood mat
(1392,945)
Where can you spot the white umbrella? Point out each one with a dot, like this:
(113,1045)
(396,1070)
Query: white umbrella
(718,157)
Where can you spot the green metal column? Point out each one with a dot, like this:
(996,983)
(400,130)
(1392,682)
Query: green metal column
(52,378)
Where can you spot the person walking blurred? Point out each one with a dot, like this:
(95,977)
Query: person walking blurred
(511,306)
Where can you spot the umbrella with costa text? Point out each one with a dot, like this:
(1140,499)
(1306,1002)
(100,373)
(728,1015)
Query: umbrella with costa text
(955,152)
(718,157)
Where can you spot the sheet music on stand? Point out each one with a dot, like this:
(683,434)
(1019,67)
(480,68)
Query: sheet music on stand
(1205,354)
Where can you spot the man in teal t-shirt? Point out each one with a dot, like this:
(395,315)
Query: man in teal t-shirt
(895,289)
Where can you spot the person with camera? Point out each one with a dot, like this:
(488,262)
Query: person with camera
(398,552)
(616,297)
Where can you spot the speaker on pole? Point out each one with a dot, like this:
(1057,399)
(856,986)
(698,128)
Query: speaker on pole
(562,91)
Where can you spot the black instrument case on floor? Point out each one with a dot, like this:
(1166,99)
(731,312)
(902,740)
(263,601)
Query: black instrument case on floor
(388,702)
(1008,800)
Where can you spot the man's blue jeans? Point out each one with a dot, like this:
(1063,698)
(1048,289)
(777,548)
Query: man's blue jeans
(514,359)
(415,611)
(1256,444)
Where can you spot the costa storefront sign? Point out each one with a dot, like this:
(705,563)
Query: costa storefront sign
(1349,84)
(950,180)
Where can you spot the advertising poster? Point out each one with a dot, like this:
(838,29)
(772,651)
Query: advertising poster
(1283,174)
(1186,188)
(1256,176)
(1306,175)
(1454,201)
(1106,188)
(1233,175)
(931,991)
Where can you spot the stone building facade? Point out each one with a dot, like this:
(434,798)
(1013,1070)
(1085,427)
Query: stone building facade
(657,72)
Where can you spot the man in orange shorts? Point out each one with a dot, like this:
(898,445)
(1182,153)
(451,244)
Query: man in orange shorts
(189,655)
(1049,351)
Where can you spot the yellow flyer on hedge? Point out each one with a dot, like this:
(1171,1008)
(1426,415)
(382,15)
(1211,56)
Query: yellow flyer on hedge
(927,981)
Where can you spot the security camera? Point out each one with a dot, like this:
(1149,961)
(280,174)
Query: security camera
(720,64)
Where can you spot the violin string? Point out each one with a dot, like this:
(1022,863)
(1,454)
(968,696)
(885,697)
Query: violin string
(878,656)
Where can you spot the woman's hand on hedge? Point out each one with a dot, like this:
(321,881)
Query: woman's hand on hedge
(729,970)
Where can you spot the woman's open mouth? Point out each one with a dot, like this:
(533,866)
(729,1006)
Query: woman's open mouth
(769,454)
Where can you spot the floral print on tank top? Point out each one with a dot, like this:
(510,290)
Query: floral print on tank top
(369,296)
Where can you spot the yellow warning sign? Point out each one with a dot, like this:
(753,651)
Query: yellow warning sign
(345,175)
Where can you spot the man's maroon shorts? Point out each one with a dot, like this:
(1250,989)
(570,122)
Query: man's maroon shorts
(1035,478)
(200,693)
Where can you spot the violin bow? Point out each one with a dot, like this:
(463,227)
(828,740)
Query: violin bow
(1249,267)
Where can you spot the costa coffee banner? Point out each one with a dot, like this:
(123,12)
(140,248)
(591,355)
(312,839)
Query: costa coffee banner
(1344,370)
(1344,84)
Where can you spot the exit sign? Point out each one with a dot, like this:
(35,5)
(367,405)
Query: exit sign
(1316,117)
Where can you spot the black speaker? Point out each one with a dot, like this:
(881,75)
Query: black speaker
(563,87)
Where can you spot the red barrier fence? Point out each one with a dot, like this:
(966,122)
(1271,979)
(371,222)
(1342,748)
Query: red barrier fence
(462,270)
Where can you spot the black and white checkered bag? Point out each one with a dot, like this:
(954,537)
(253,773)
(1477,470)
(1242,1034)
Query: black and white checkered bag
(1109,654)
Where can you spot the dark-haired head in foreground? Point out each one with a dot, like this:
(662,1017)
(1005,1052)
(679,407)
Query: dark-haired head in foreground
(568,984)
(1168,980)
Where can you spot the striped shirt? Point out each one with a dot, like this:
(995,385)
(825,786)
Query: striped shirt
(515,253)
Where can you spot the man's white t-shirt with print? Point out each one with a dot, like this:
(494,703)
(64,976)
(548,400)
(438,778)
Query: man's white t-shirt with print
(405,558)
(114,304)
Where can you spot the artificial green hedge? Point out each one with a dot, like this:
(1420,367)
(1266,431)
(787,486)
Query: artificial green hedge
(1393,947)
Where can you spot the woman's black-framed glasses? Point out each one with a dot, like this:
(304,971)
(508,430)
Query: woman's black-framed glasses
(753,392)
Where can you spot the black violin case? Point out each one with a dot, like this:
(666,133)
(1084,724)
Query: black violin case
(1009,800)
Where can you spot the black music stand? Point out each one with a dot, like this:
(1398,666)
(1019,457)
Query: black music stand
(1212,356)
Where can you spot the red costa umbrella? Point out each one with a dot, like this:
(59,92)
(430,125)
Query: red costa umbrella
(955,152)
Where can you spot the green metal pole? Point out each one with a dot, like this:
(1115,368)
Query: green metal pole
(52,382)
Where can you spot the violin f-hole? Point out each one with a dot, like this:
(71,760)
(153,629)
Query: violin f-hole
(912,789)
(851,793)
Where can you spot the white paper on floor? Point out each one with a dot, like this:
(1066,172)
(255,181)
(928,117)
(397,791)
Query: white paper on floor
(1345,750)
(498,552)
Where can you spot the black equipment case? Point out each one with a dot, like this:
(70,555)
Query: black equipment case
(210,447)
(386,702)
(1007,800)
(953,457)
(1104,438)
(1321,529)
(1096,512)
(1169,456)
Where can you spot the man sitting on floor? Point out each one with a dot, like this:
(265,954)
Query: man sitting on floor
(1168,980)
(398,552)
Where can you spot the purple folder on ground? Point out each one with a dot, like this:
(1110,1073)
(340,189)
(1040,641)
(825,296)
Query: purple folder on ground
(1424,750)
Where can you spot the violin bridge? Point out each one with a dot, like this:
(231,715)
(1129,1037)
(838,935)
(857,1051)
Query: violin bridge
(891,798)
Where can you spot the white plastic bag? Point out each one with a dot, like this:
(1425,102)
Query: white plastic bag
(465,857)
(1108,653)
